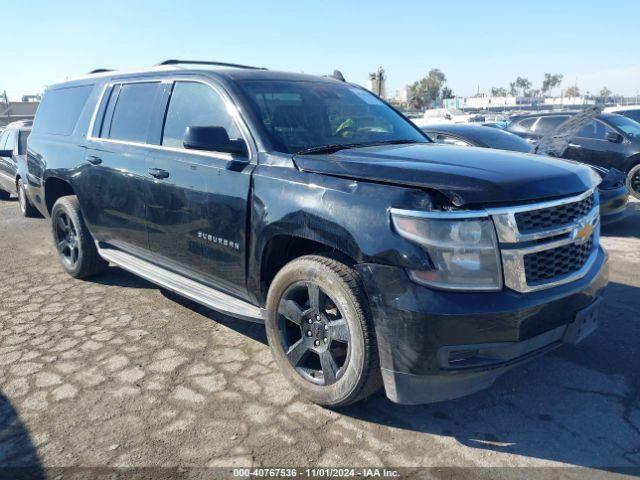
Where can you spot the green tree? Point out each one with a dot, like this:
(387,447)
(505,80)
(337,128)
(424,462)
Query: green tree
(572,91)
(513,91)
(447,92)
(551,81)
(524,85)
(605,93)
(425,91)
(498,92)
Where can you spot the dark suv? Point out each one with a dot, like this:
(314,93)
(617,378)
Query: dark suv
(610,141)
(371,254)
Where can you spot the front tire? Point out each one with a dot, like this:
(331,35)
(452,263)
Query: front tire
(26,208)
(320,331)
(76,249)
(633,181)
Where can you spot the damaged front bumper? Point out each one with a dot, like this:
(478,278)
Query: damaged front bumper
(438,345)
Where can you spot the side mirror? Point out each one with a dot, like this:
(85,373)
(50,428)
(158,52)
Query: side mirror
(6,153)
(214,139)
(614,137)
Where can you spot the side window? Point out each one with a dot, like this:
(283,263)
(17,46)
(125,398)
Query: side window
(22,142)
(10,144)
(195,104)
(448,140)
(527,123)
(547,124)
(60,109)
(594,130)
(132,112)
(3,139)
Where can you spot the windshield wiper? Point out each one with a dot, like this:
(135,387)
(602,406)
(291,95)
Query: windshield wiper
(344,146)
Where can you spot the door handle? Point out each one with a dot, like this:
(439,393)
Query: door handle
(575,145)
(93,160)
(158,173)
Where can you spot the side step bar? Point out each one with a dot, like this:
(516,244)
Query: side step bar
(190,289)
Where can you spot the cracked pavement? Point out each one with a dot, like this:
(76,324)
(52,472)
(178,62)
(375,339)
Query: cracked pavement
(116,372)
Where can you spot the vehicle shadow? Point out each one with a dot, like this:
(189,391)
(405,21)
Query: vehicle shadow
(629,226)
(118,277)
(18,455)
(579,405)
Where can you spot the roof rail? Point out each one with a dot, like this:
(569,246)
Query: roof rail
(198,62)
(100,70)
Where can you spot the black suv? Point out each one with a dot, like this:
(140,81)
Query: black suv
(372,255)
(610,141)
(13,152)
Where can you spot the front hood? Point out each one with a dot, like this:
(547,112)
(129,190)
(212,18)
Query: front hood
(464,175)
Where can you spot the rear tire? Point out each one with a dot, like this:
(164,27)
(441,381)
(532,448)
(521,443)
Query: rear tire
(320,331)
(633,181)
(76,249)
(26,208)
(4,195)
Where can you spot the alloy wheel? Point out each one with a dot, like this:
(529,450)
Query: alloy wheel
(67,240)
(314,334)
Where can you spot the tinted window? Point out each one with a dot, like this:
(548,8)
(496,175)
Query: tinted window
(22,147)
(594,129)
(632,114)
(494,138)
(448,140)
(132,113)
(60,108)
(195,104)
(301,115)
(546,124)
(526,123)
(628,126)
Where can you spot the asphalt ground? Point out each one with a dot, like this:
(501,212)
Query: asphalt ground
(115,372)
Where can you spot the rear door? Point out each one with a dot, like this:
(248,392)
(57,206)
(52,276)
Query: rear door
(198,212)
(116,179)
(591,146)
(8,166)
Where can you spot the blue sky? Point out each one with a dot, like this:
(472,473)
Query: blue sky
(476,44)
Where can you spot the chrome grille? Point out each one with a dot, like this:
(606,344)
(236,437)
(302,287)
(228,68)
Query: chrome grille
(548,244)
(556,262)
(553,217)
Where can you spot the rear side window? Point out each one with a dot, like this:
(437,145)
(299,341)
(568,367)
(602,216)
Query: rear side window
(59,110)
(22,143)
(132,112)
(546,124)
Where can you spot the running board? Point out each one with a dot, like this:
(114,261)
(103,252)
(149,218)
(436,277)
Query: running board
(207,296)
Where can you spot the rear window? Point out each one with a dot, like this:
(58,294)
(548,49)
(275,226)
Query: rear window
(132,112)
(60,108)
(546,124)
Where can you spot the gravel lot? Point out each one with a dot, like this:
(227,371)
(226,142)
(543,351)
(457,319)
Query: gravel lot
(116,372)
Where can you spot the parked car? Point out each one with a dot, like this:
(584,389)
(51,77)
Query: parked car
(610,141)
(631,111)
(13,152)
(370,253)
(613,193)
(443,115)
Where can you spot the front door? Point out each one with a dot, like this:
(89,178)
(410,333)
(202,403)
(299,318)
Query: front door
(114,180)
(197,205)
(591,146)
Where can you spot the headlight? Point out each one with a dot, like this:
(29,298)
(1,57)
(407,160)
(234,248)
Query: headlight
(464,251)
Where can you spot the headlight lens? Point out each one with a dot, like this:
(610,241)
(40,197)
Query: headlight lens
(464,252)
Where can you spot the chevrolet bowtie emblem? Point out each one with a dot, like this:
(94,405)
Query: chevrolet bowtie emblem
(582,233)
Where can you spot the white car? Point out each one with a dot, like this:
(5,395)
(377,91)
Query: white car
(443,115)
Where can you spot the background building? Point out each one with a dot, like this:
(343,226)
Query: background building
(377,83)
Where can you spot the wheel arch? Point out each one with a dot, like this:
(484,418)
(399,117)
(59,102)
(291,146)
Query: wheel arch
(280,249)
(54,188)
